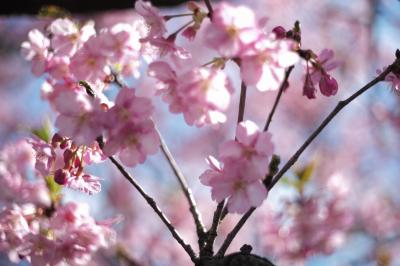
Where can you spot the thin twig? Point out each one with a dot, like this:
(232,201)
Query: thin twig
(294,158)
(283,86)
(185,188)
(209,7)
(242,102)
(325,122)
(181,178)
(156,209)
(233,233)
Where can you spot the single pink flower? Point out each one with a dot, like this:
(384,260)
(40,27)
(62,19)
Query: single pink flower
(36,50)
(232,29)
(250,145)
(264,65)
(238,182)
(79,116)
(153,18)
(133,142)
(89,63)
(67,37)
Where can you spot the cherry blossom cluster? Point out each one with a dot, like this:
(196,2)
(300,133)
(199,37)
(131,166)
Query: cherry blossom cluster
(64,160)
(243,165)
(34,225)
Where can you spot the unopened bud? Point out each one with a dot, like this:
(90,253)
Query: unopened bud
(61,176)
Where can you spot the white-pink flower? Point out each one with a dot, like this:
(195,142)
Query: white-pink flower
(236,181)
(130,130)
(202,94)
(133,142)
(264,65)
(89,63)
(79,116)
(250,145)
(67,37)
(36,50)
(153,18)
(232,29)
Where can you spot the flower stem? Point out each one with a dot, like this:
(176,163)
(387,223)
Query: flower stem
(283,86)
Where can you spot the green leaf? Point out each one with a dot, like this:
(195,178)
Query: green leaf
(54,188)
(43,132)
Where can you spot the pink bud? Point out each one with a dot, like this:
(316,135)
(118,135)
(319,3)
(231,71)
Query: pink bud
(68,154)
(189,33)
(328,85)
(280,32)
(56,139)
(61,176)
(309,88)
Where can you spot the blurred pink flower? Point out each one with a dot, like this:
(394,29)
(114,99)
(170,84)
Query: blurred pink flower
(264,65)
(78,117)
(202,95)
(67,37)
(231,30)
(36,50)
(153,18)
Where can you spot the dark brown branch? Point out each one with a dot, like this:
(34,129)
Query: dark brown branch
(186,190)
(156,209)
(209,7)
(212,233)
(233,233)
(283,86)
(242,102)
(326,121)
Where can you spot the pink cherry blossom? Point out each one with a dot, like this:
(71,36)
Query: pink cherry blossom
(128,108)
(36,50)
(78,117)
(120,41)
(319,74)
(202,95)
(67,37)
(237,181)
(307,226)
(231,30)
(90,62)
(251,145)
(264,66)
(15,161)
(13,229)
(133,141)
(152,17)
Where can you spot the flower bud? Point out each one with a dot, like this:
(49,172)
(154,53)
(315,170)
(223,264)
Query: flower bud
(328,85)
(61,176)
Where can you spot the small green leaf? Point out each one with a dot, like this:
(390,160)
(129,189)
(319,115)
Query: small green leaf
(54,188)
(43,132)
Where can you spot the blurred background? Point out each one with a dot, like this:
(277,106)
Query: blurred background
(349,193)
